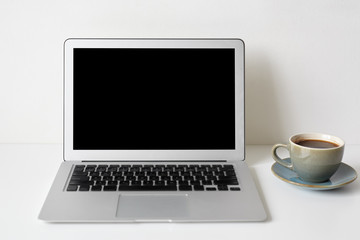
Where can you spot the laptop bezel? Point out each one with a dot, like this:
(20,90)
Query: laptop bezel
(150,155)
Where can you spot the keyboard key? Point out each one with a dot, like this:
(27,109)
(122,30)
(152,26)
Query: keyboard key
(135,182)
(96,188)
(131,178)
(172,183)
(101,169)
(115,166)
(227,177)
(80,173)
(123,169)
(222,188)
(183,183)
(72,188)
(148,183)
(106,174)
(226,182)
(128,174)
(89,169)
(100,183)
(177,178)
(110,188)
(112,183)
(117,174)
(96,178)
(159,183)
(200,178)
(163,174)
(204,166)
(234,189)
(123,182)
(142,178)
(195,182)
(78,182)
(207,182)
(119,178)
(80,178)
(84,188)
(185,188)
(223,180)
(198,188)
(112,168)
(137,165)
(210,189)
(209,178)
(79,166)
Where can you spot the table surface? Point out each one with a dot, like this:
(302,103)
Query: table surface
(293,213)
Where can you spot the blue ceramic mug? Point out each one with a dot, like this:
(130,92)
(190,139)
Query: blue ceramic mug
(315,157)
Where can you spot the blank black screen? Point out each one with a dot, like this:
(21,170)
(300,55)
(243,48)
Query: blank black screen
(153,99)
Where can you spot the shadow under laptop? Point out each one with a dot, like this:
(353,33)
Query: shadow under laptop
(263,124)
(261,193)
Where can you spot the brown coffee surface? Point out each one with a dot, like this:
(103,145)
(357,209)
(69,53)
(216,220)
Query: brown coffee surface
(314,143)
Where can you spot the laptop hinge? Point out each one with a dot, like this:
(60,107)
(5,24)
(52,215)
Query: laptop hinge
(154,161)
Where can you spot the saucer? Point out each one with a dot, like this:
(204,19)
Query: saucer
(344,175)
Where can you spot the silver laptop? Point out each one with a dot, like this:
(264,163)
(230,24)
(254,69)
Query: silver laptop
(153,132)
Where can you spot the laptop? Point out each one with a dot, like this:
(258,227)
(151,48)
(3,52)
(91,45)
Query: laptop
(153,132)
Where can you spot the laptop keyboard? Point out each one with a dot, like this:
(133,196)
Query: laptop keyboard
(153,178)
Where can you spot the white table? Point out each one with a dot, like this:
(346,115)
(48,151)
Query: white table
(27,172)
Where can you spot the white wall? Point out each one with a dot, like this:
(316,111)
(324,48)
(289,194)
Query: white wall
(302,58)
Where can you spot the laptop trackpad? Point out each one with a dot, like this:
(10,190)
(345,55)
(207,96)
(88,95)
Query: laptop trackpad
(152,206)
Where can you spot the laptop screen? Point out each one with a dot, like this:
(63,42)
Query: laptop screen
(153,98)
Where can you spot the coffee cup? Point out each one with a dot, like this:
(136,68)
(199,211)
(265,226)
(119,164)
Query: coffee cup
(315,157)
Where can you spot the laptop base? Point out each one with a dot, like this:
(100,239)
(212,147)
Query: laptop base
(150,206)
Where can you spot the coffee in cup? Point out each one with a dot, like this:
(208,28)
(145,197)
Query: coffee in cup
(315,157)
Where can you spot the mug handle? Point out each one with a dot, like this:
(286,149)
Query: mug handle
(278,159)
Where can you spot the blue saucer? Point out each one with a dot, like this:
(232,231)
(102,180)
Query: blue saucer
(344,175)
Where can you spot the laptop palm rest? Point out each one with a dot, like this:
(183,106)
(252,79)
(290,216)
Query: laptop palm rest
(161,207)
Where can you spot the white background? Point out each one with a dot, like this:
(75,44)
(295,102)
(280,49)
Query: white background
(302,59)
